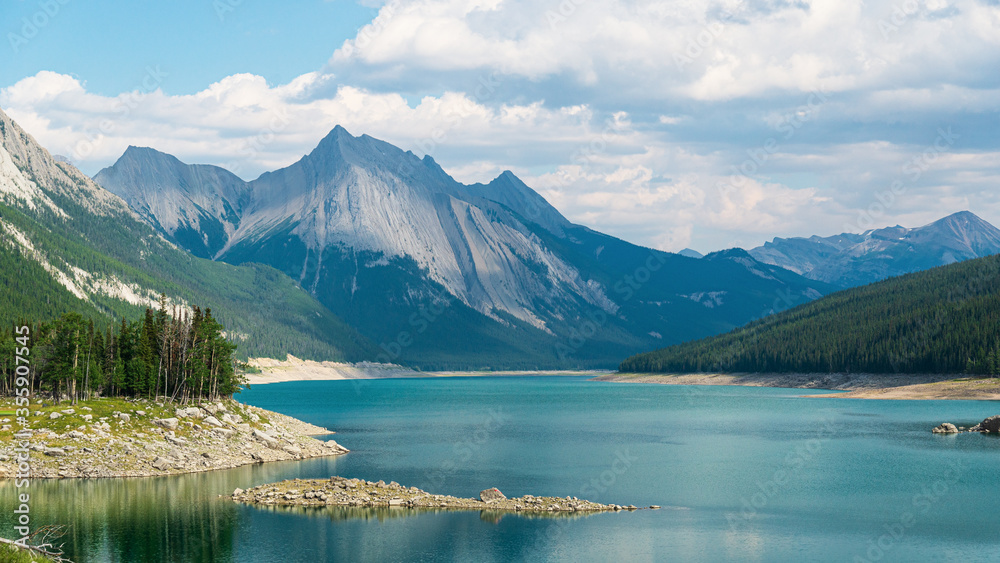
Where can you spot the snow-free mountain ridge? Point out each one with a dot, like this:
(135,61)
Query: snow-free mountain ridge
(849,259)
(385,238)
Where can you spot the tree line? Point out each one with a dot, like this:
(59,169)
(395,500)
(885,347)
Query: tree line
(176,354)
(944,321)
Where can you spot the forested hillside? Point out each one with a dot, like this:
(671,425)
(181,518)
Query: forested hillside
(944,320)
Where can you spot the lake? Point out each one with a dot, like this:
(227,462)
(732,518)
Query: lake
(742,473)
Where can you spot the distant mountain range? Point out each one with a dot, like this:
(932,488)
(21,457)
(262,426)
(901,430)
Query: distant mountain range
(849,260)
(442,274)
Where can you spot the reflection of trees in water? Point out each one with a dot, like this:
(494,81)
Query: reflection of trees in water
(158,519)
(177,518)
(183,518)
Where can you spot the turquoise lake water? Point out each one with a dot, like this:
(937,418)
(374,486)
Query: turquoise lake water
(742,474)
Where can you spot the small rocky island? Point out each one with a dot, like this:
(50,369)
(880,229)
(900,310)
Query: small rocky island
(989,426)
(339,491)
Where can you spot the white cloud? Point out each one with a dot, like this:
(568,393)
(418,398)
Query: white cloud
(628,115)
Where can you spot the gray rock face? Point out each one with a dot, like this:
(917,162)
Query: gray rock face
(179,200)
(491,495)
(945,428)
(989,426)
(211,420)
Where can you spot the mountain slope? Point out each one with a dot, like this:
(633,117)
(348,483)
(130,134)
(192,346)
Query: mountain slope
(442,274)
(68,244)
(944,320)
(849,260)
(197,207)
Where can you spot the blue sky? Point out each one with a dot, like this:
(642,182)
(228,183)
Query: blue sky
(670,124)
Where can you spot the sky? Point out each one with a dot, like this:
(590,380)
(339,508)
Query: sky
(679,124)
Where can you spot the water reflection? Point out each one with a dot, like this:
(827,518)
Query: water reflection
(178,518)
(189,517)
(383,513)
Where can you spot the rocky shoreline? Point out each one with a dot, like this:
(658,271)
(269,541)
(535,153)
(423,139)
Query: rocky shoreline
(990,425)
(340,491)
(124,438)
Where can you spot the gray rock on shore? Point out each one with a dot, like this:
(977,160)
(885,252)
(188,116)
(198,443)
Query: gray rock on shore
(491,495)
(989,426)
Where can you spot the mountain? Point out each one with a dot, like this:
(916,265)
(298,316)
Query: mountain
(448,275)
(849,260)
(197,206)
(942,320)
(67,244)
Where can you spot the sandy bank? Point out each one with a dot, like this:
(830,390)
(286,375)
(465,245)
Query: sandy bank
(857,386)
(295,369)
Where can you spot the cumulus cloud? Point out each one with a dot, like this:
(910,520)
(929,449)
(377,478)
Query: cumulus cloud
(667,123)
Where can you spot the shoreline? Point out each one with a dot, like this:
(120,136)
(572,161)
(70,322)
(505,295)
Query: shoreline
(854,385)
(119,438)
(295,369)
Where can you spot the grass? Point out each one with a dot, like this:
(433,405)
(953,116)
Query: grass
(11,554)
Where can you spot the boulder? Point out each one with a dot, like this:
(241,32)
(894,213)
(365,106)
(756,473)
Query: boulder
(124,418)
(945,428)
(237,492)
(88,417)
(54,416)
(212,421)
(168,423)
(267,439)
(990,426)
(292,449)
(231,419)
(491,495)
(224,432)
(163,463)
(55,452)
(190,412)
